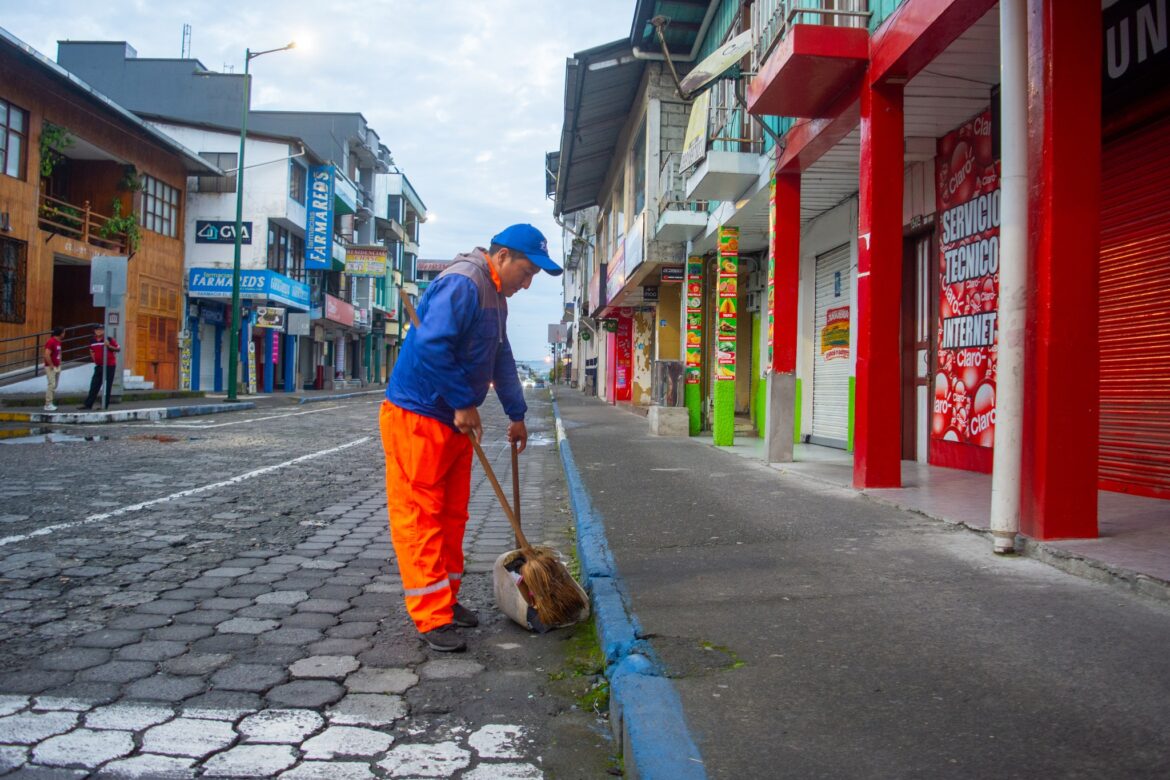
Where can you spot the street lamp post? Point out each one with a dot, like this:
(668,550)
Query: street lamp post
(234,351)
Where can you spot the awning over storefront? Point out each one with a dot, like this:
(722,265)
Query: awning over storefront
(262,285)
(600,86)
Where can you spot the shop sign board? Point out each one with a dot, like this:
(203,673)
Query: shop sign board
(695,139)
(270,317)
(319,219)
(214,231)
(672,273)
(968,200)
(254,285)
(338,311)
(365,260)
(615,274)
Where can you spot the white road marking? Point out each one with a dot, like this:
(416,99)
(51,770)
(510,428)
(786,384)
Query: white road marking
(184,493)
(241,422)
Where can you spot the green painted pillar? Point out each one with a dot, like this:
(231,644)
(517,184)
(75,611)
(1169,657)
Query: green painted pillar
(726,332)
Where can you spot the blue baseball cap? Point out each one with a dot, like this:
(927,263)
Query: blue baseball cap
(529,242)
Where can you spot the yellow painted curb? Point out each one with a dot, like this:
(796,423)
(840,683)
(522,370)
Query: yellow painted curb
(15,416)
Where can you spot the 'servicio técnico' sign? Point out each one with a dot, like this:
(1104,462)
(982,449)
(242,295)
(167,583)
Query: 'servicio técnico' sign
(209,231)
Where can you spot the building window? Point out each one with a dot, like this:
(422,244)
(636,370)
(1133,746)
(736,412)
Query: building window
(298,179)
(13,280)
(225,161)
(160,207)
(639,165)
(286,252)
(13,139)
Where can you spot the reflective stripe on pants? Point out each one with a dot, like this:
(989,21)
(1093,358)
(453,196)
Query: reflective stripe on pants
(428,484)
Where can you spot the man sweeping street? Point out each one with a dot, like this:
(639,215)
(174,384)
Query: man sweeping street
(441,378)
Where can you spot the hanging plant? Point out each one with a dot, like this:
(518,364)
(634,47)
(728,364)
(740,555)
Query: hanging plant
(131,181)
(54,141)
(122,224)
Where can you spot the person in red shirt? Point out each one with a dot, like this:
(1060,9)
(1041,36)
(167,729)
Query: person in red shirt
(52,360)
(105,360)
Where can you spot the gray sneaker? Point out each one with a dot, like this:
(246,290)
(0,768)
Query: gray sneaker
(445,639)
(464,616)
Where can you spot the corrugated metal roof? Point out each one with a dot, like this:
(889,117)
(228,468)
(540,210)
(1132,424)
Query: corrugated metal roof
(600,87)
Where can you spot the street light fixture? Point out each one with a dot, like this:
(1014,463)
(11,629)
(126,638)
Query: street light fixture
(234,352)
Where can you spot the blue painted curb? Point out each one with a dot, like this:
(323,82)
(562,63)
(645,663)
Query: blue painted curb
(646,708)
(195,411)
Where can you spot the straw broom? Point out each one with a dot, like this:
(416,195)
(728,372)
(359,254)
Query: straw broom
(555,596)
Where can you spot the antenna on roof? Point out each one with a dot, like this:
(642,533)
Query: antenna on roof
(186,53)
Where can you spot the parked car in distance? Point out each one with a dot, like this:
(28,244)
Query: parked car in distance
(539,383)
(528,382)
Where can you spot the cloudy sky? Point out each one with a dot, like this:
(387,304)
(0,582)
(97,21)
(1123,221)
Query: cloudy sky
(468,94)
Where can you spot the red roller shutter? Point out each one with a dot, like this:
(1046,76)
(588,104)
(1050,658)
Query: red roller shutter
(1135,312)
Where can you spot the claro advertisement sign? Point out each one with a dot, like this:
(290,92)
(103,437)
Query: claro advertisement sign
(968,204)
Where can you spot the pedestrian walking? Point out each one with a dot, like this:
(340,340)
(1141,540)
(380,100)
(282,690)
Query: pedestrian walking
(442,376)
(52,360)
(105,360)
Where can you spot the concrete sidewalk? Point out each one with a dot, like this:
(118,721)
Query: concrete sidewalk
(134,408)
(784,627)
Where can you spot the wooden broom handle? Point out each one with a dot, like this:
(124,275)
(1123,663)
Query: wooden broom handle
(491,475)
(516,486)
(513,519)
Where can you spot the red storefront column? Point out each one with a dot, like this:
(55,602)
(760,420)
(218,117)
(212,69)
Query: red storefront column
(786,251)
(1059,496)
(877,424)
(783,397)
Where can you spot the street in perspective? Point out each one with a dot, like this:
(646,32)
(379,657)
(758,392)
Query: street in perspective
(217,597)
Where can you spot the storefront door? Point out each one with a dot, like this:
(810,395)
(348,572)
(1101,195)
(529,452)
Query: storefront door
(831,358)
(917,319)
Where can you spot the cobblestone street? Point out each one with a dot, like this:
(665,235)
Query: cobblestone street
(217,598)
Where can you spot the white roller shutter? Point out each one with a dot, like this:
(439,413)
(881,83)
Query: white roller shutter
(832,341)
(206,357)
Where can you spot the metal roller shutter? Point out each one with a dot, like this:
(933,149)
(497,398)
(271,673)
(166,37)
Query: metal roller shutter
(830,422)
(206,367)
(1135,313)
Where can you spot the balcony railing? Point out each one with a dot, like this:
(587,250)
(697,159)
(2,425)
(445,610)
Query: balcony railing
(80,222)
(729,128)
(672,188)
(771,20)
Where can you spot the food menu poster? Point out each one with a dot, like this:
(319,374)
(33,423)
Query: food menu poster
(835,334)
(968,199)
(694,310)
(727,293)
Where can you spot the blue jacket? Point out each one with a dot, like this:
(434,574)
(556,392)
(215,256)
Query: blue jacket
(460,346)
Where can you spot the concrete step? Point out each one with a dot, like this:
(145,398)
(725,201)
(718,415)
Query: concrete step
(135,382)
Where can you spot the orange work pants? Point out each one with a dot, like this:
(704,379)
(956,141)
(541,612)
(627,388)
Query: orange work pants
(428,485)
